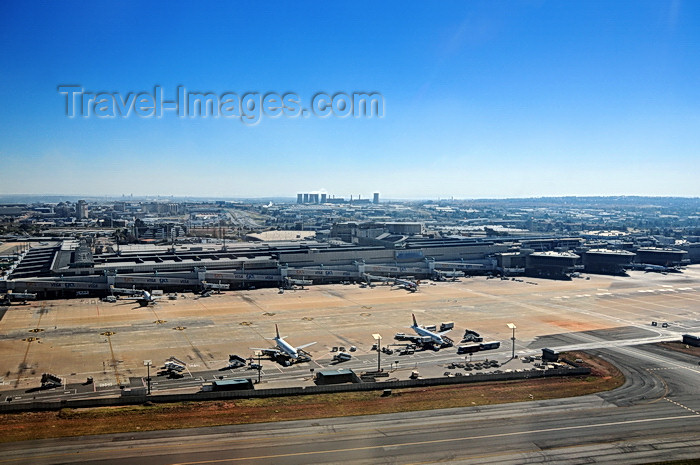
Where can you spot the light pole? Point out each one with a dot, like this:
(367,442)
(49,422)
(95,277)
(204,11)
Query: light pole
(378,338)
(258,353)
(148,378)
(512,326)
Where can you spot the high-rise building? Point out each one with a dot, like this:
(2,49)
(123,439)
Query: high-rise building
(300,198)
(81,210)
(323,198)
(306,198)
(376,198)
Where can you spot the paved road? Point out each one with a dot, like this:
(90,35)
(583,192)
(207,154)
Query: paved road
(654,416)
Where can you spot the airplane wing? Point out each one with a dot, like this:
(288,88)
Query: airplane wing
(442,333)
(305,345)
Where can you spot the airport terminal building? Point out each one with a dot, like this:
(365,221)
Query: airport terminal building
(69,268)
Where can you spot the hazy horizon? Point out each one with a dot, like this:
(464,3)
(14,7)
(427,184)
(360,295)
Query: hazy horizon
(54,198)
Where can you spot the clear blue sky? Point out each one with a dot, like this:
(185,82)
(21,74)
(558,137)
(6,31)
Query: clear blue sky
(483,99)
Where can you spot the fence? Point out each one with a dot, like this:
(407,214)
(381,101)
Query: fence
(293,391)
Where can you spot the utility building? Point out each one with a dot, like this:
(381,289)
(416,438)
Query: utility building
(605,261)
(555,265)
(336,377)
(660,256)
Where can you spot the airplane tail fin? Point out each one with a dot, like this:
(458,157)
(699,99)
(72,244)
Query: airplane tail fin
(414,319)
(277,330)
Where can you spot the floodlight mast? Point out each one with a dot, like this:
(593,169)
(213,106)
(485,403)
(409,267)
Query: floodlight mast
(148,378)
(512,326)
(378,338)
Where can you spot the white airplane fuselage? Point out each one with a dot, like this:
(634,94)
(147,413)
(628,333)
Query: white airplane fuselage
(286,348)
(409,285)
(424,332)
(436,338)
(146,299)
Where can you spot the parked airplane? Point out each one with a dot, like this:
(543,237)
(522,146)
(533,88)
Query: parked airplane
(435,337)
(143,297)
(406,284)
(658,268)
(284,349)
(20,297)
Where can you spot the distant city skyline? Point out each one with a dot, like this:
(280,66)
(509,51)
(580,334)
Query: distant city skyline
(482,99)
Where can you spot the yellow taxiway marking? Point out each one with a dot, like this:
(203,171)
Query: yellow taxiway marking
(683,406)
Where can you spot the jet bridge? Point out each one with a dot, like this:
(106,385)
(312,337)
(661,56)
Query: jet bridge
(481,265)
(396,270)
(319,273)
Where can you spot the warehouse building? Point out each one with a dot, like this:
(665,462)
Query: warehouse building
(606,261)
(552,265)
(660,256)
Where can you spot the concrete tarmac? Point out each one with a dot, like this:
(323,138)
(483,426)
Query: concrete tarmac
(109,342)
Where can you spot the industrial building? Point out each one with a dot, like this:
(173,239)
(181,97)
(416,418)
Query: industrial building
(553,265)
(376,233)
(693,250)
(661,256)
(340,376)
(322,198)
(606,261)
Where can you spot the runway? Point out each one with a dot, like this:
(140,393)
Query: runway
(654,416)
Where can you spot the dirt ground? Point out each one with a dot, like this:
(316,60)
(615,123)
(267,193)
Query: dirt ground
(680,347)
